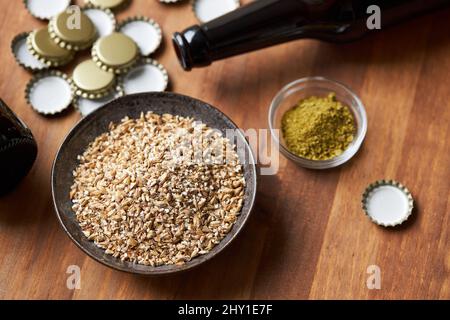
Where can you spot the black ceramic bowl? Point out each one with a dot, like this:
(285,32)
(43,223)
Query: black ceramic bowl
(96,123)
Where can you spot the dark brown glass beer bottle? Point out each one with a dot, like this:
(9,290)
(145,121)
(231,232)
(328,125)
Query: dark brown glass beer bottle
(264,23)
(18,149)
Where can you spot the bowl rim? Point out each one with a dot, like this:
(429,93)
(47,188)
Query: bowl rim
(349,153)
(153,271)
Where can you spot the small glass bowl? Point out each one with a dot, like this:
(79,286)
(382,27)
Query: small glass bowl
(292,93)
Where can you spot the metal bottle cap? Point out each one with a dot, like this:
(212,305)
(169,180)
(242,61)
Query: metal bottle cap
(207,10)
(387,203)
(49,92)
(46,50)
(70,37)
(23,56)
(46,9)
(86,106)
(103,19)
(116,52)
(144,31)
(148,75)
(109,4)
(90,81)
(169,1)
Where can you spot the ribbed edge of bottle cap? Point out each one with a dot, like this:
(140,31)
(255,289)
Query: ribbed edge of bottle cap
(116,69)
(45,60)
(141,41)
(92,95)
(108,12)
(121,6)
(29,4)
(16,44)
(200,14)
(170,1)
(84,110)
(48,109)
(142,62)
(380,218)
(66,44)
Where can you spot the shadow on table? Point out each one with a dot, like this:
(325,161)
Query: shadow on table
(30,202)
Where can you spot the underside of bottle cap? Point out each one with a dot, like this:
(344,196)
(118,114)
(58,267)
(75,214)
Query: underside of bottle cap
(23,55)
(46,9)
(148,75)
(102,18)
(387,203)
(207,10)
(49,92)
(144,31)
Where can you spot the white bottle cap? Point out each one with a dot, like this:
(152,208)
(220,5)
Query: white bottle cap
(387,203)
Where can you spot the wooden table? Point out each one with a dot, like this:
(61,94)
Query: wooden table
(308,237)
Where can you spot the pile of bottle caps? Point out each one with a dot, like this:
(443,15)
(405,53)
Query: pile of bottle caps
(120,55)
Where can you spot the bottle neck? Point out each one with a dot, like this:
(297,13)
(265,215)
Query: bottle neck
(257,25)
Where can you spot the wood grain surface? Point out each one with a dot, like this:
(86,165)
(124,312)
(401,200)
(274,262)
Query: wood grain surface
(308,236)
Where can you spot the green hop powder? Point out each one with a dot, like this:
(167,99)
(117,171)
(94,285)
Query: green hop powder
(318,128)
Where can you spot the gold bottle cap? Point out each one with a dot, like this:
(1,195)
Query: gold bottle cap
(45,9)
(49,92)
(86,106)
(103,19)
(387,203)
(169,1)
(109,4)
(45,50)
(207,10)
(70,36)
(23,56)
(148,75)
(116,52)
(144,31)
(90,81)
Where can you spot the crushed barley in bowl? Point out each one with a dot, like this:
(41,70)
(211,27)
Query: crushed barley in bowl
(158,190)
